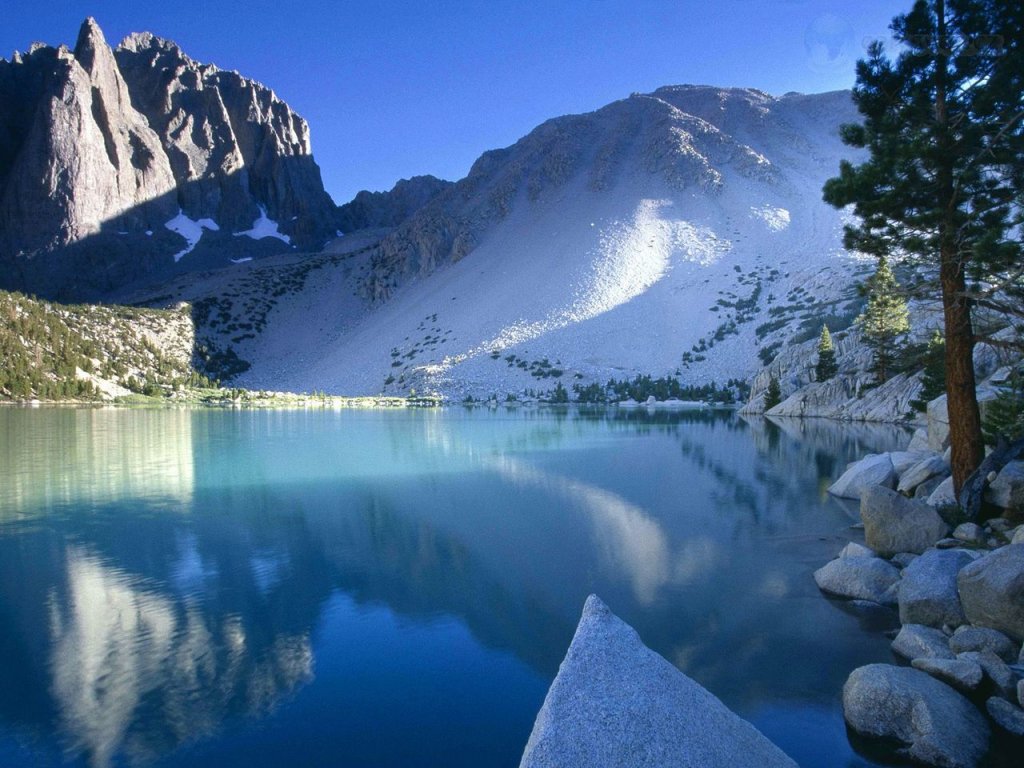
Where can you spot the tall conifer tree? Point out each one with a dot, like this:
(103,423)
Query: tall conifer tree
(885,320)
(827,367)
(943,127)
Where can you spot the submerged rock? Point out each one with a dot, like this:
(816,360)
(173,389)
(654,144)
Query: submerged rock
(992,590)
(615,702)
(893,523)
(931,722)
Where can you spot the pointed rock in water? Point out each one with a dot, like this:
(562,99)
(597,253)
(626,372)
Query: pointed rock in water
(870,471)
(859,578)
(894,523)
(615,702)
(931,722)
(916,641)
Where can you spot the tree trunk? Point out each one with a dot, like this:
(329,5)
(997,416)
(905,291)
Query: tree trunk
(961,397)
(968,449)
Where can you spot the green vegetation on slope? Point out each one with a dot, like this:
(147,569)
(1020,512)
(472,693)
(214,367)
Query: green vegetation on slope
(50,351)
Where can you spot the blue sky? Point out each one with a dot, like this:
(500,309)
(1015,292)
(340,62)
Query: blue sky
(393,89)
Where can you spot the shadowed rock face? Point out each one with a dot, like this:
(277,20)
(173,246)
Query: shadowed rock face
(102,146)
(390,209)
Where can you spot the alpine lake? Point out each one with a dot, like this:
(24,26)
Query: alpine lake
(397,587)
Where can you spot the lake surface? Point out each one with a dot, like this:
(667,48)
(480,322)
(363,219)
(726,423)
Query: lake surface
(398,588)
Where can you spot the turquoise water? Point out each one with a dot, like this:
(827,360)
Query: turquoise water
(397,588)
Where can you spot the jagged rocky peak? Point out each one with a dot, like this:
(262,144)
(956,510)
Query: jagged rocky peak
(85,158)
(101,148)
(232,143)
(381,210)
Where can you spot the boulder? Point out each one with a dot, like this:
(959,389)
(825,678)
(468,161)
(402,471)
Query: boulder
(943,495)
(999,525)
(972,533)
(968,638)
(916,641)
(992,590)
(1007,716)
(903,559)
(1018,535)
(938,416)
(1007,490)
(616,702)
(996,670)
(926,469)
(938,424)
(927,593)
(919,441)
(904,460)
(927,488)
(853,549)
(963,674)
(929,721)
(893,523)
(873,469)
(859,578)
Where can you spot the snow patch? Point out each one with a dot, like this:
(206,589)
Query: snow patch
(190,229)
(241,260)
(264,227)
(777,219)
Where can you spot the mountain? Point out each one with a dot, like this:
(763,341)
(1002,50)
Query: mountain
(123,164)
(375,210)
(677,233)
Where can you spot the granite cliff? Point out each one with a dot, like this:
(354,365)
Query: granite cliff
(116,163)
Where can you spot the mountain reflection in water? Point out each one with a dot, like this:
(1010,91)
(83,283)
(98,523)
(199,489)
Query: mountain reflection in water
(176,586)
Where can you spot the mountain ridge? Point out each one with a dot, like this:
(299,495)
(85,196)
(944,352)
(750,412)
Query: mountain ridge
(626,241)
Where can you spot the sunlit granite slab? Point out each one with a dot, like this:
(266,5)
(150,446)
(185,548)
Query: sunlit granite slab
(615,702)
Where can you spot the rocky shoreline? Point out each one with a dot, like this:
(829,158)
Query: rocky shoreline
(958,588)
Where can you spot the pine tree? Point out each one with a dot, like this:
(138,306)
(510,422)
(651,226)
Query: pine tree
(933,379)
(1004,417)
(827,366)
(885,320)
(943,124)
(772,395)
